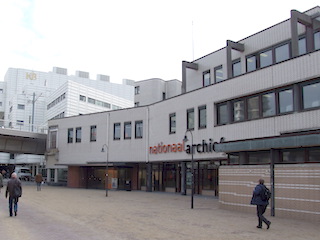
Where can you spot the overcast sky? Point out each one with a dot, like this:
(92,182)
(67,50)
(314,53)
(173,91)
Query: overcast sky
(132,39)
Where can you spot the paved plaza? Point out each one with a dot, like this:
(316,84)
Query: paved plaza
(58,213)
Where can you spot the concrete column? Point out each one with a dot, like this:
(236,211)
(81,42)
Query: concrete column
(56,175)
(48,175)
(183,178)
(149,177)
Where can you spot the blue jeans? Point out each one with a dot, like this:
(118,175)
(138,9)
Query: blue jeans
(13,201)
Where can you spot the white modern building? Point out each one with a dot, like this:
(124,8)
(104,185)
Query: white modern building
(155,90)
(249,110)
(29,98)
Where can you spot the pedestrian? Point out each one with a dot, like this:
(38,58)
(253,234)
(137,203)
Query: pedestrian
(39,180)
(14,190)
(261,202)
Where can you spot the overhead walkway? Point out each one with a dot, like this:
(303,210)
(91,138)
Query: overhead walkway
(15,141)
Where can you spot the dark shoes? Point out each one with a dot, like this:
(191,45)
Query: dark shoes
(15,214)
(268,225)
(259,226)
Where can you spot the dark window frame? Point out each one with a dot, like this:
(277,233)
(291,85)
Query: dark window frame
(78,134)
(127,135)
(70,135)
(234,62)
(204,84)
(115,132)
(189,111)
(172,129)
(93,133)
(137,126)
(217,68)
(200,109)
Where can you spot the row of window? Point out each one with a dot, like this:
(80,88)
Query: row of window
(56,101)
(302,96)
(261,59)
(78,134)
(300,155)
(202,119)
(127,130)
(98,102)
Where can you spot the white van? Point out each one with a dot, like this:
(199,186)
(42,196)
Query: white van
(23,173)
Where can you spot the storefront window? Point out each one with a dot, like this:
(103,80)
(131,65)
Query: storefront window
(262,157)
(293,156)
(314,155)
(170,173)
(143,175)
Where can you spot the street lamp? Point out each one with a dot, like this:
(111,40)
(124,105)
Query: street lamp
(192,165)
(105,149)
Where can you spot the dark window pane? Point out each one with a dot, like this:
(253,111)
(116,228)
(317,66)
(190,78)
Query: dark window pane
(293,156)
(117,129)
(172,123)
(218,74)
(266,58)
(253,107)
(282,53)
(311,95)
(314,155)
(238,110)
(286,101)
(317,41)
(259,157)
(236,69)
(127,130)
(268,105)
(222,114)
(251,63)
(202,117)
(190,119)
(206,78)
(302,46)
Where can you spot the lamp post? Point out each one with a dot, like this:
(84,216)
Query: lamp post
(105,149)
(192,165)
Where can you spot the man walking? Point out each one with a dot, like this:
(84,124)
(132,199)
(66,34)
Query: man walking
(14,191)
(39,180)
(261,202)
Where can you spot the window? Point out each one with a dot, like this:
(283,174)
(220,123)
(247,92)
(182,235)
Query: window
(253,107)
(93,133)
(53,137)
(116,131)
(127,130)
(317,41)
(82,98)
(251,63)
(202,116)
(70,135)
(222,113)
(285,101)
(262,157)
(238,110)
(190,119)
(311,95)
(293,156)
(236,68)
(268,104)
(172,123)
(21,106)
(78,134)
(136,90)
(266,58)
(218,74)
(206,80)
(137,104)
(282,53)
(138,129)
(1,90)
(91,100)
(314,155)
(302,44)
(163,96)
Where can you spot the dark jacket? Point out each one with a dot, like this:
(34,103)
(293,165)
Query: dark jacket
(11,185)
(256,196)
